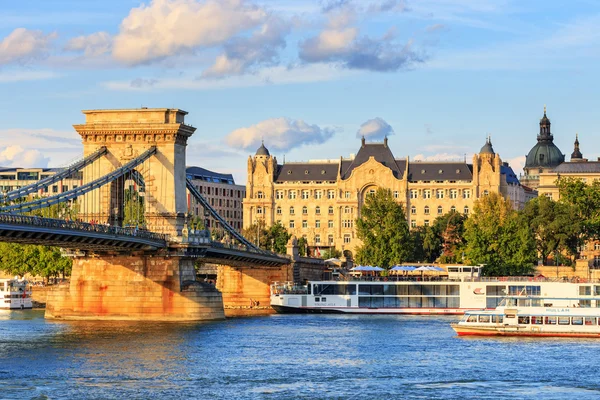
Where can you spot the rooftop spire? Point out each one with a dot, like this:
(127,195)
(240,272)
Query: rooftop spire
(576,155)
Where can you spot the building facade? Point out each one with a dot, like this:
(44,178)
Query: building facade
(221,192)
(15,178)
(320,200)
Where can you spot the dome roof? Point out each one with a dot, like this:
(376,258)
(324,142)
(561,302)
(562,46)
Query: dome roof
(262,150)
(544,154)
(487,147)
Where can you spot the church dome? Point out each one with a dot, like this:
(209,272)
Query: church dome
(262,150)
(545,153)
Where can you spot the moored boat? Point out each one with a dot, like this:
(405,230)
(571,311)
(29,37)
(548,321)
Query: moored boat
(15,294)
(529,316)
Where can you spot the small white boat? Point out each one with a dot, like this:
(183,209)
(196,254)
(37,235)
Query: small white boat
(532,316)
(15,294)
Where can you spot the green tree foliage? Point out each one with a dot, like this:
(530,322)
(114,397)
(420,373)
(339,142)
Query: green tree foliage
(450,229)
(46,261)
(586,200)
(273,238)
(302,247)
(416,238)
(497,236)
(331,253)
(133,209)
(555,225)
(383,229)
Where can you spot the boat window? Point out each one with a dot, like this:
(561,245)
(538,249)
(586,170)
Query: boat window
(585,290)
(364,302)
(414,302)
(521,290)
(563,320)
(596,290)
(335,289)
(510,315)
(537,320)
(497,319)
(585,303)
(377,302)
(402,290)
(453,290)
(472,318)
(309,289)
(364,290)
(377,290)
(550,321)
(523,319)
(317,299)
(414,290)
(590,320)
(323,299)
(484,319)
(389,290)
(577,320)
(390,302)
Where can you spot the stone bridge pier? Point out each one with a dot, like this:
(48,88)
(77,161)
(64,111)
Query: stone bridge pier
(135,287)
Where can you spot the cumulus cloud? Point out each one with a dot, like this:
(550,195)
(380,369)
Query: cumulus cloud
(517,164)
(244,53)
(278,134)
(17,156)
(388,6)
(23,45)
(95,44)
(375,128)
(340,42)
(171,27)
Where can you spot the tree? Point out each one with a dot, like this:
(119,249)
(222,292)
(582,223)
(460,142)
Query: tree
(302,246)
(383,229)
(497,237)
(450,227)
(416,237)
(277,237)
(331,253)
(555,225)
(586,201)
(133,209)
(16,259)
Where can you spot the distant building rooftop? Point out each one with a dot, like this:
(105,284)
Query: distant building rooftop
(209,176)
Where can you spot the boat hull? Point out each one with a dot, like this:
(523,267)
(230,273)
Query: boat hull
(462,330)
(357,310)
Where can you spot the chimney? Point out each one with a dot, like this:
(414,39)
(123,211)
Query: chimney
(385,141)
(362,141)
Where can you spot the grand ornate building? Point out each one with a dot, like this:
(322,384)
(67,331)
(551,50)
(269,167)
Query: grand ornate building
(320,200)
(542,157)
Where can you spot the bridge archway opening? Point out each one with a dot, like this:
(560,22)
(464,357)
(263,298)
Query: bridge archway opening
(128,201)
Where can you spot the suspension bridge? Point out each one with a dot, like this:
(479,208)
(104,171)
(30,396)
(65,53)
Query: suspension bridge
(129,226)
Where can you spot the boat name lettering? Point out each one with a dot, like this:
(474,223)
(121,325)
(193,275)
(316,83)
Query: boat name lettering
(558,310)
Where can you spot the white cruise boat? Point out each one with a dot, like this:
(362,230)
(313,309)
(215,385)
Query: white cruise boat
(527,316)
(15,294)
(442,296)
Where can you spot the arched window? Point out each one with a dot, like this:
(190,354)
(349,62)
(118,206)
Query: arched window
(347,210)
(304,210)
(426,210)
(278,211)
(440,210)
(318,210)
(292,210)
(259,210)
(317,239)
(330,210)
(413,210)
(466,211)
(260,195)
(453,209)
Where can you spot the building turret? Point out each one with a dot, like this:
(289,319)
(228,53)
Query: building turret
(576,154)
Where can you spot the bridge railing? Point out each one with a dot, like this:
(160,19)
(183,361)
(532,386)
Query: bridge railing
(15,219)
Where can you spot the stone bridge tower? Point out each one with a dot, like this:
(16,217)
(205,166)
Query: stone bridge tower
(127,134)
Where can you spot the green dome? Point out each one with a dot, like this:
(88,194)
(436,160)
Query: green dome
(545,153)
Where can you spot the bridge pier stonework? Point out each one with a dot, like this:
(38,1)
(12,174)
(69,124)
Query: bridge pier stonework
(135,287)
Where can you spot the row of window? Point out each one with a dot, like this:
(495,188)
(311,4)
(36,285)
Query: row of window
(292,210)
(220,191)
(409,302)
(440,210)
(347,223)
(439,193)
(536,320)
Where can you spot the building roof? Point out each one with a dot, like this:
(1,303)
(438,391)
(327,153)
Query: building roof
(209,176)
(439,171)
(487,147)
(262,150)
(307,172)
(511,177)
(380,152)
(544,153)
(578,167)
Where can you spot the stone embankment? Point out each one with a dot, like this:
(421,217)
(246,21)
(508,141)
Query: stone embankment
(39,295)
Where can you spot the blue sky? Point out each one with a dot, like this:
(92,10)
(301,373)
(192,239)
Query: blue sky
(308,77)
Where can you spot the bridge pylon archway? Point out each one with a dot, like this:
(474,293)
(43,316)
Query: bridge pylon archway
(128,133)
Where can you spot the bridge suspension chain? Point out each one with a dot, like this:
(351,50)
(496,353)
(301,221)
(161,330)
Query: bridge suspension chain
(81,190)
(221,220)
(62,174)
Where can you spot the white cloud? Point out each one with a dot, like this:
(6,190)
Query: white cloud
(171,27)
(17,156)
(340,42)
(23,45)
(375,128)
(278,134)
(517,164)
(20,76)
(278,75)
(95,44)
(39,147)
(242,54)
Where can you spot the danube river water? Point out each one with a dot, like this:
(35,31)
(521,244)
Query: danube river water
(285,357)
